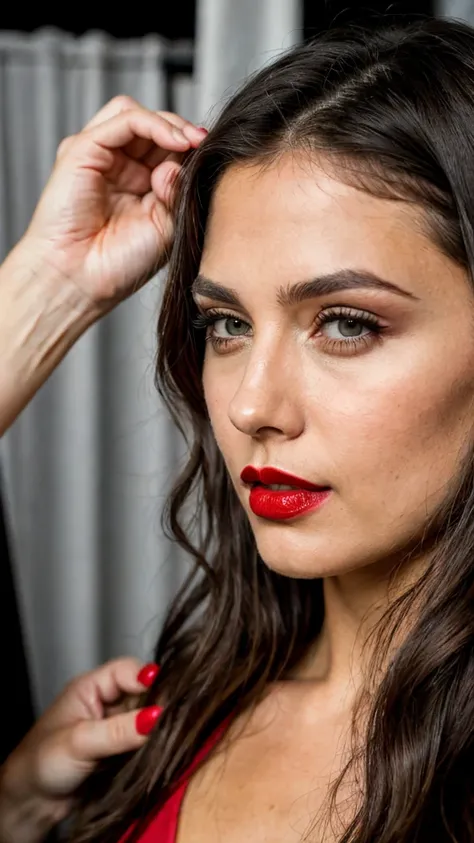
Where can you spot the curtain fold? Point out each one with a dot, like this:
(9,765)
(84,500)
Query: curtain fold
(89,462)
(235,39)
(461,9)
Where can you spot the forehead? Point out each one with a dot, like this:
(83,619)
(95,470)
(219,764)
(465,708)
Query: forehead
(294,218)
(295,193)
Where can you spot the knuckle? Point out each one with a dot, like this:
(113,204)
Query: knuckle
(122,668)
(65,145)
(117,730)
(168,122)
(171,116)
(128,662)
(122,102)
(78,737)
(79,685)
(46,749)
(73,684)
(112,664)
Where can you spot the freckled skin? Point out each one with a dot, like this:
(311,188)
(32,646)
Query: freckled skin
(386,425)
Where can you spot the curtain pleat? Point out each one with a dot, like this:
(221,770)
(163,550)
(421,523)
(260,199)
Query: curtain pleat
(461,9)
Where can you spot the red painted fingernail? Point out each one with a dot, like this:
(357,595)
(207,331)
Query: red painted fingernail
(148,674)
(146,719)
(202,129)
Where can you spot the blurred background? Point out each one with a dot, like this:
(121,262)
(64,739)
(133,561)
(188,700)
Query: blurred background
(86,573)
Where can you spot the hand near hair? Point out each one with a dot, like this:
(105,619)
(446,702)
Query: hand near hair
(104,221)
(85,723)
(102,227)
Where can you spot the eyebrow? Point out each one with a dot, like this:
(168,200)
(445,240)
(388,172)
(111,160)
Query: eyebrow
(292,294)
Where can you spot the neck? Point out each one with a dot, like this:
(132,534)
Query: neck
(353,604)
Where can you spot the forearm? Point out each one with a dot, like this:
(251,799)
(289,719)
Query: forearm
(41,317)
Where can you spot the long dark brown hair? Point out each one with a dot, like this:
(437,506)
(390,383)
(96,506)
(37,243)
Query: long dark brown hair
(393,109)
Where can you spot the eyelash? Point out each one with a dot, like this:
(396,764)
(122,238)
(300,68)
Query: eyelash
(332,314)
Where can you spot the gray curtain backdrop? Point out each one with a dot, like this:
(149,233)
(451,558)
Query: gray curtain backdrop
(88,464)
(461,9)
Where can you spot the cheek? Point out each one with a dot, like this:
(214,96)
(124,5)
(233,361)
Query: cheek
(218,392)
(402,439)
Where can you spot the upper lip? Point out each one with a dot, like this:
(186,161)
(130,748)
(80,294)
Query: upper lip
(269,476)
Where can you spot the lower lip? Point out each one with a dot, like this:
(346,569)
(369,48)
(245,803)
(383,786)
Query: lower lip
(285,503)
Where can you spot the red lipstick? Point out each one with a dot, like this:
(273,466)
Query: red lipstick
(281,504)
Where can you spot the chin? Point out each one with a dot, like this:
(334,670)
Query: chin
(311,566)
(290,559)
(303,551)
(295,572)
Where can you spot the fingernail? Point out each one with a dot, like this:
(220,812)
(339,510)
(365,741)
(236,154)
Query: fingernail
(146,719)
(148,674)
(196,133)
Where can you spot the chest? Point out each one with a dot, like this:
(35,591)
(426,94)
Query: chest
(267,784)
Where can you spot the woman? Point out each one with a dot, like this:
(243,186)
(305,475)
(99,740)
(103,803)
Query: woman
(316,346)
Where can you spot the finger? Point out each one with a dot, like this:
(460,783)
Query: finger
(145,678)
(127,175)
(163,182)
(91,740)
(119,676)
(176,119)
(197,133)
(122,103)
(147,151)
(138,148)
(139,123)
(115,106)
(88,695)
(155,157)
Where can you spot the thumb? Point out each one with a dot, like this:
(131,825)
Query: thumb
(92,740)
(163,180)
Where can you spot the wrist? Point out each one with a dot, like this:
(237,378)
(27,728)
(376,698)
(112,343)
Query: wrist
(42,314)
(32,279)
(25,817)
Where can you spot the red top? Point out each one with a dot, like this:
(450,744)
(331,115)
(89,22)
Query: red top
(164,826)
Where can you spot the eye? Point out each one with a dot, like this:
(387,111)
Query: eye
(223,330)
(345,328)
(345,331)
(229,326)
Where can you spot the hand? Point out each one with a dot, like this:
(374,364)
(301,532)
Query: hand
(103,226)
(84,724)
(104,219)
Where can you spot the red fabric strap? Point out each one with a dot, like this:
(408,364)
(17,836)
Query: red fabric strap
(164,826)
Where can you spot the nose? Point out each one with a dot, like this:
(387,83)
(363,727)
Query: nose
(268,399)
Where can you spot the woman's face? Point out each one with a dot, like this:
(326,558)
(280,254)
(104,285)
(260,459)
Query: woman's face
(361,381)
